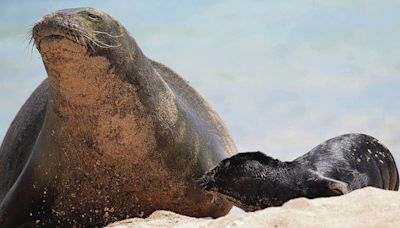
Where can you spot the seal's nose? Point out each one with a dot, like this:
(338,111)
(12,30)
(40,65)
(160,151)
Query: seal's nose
(41,21)
(47,22)
(207,182)
(56,23)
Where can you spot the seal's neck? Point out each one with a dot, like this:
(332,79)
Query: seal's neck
(77,80)
(268,181)
(284,181)
(81,83)
(89,103)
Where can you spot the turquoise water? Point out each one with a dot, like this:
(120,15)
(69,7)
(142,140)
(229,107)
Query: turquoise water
(283,75)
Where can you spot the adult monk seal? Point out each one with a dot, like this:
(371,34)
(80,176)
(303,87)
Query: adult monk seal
(110,134)
(342,164)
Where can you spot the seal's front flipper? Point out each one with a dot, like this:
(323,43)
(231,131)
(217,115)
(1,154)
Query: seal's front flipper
(15,207)
(20,207)
(12,207)
(330,187)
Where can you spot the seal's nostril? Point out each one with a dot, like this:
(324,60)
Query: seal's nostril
(207,182)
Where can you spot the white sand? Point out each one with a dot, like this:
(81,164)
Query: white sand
(368,207)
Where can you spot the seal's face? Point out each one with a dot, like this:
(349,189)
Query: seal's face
(91,28)
(248,180)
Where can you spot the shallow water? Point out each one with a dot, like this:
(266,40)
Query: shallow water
(284,76)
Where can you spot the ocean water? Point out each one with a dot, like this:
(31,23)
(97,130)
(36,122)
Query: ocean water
(283,75)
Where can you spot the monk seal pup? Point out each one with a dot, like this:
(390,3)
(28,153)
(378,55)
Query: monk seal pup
(342,164)
(110,134)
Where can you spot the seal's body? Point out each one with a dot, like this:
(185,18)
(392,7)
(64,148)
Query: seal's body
(342,164)
(109,135)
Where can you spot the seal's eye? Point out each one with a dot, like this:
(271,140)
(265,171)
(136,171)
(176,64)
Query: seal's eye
(93,17)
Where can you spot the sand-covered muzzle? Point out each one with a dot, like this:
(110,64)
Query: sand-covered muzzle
(86,29)
(54,27)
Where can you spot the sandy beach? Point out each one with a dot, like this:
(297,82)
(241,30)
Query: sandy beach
(368,207)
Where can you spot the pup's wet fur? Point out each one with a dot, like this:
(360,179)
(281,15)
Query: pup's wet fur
(342,164)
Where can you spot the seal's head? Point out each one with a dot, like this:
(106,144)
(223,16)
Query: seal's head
(88,27)
(87,31)
(80,47)
(248,180)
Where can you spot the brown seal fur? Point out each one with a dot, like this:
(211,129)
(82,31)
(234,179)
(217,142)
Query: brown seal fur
(110,134)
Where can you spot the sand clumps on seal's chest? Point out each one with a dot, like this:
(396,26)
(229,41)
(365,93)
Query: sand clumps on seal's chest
(97,99)
(94,110)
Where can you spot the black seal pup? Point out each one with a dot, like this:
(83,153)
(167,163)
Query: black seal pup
(110,134)
(342,164)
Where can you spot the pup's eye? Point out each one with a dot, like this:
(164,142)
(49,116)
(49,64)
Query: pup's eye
(93,17)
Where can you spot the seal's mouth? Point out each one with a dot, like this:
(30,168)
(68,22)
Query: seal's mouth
(52,38)
(46,32)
